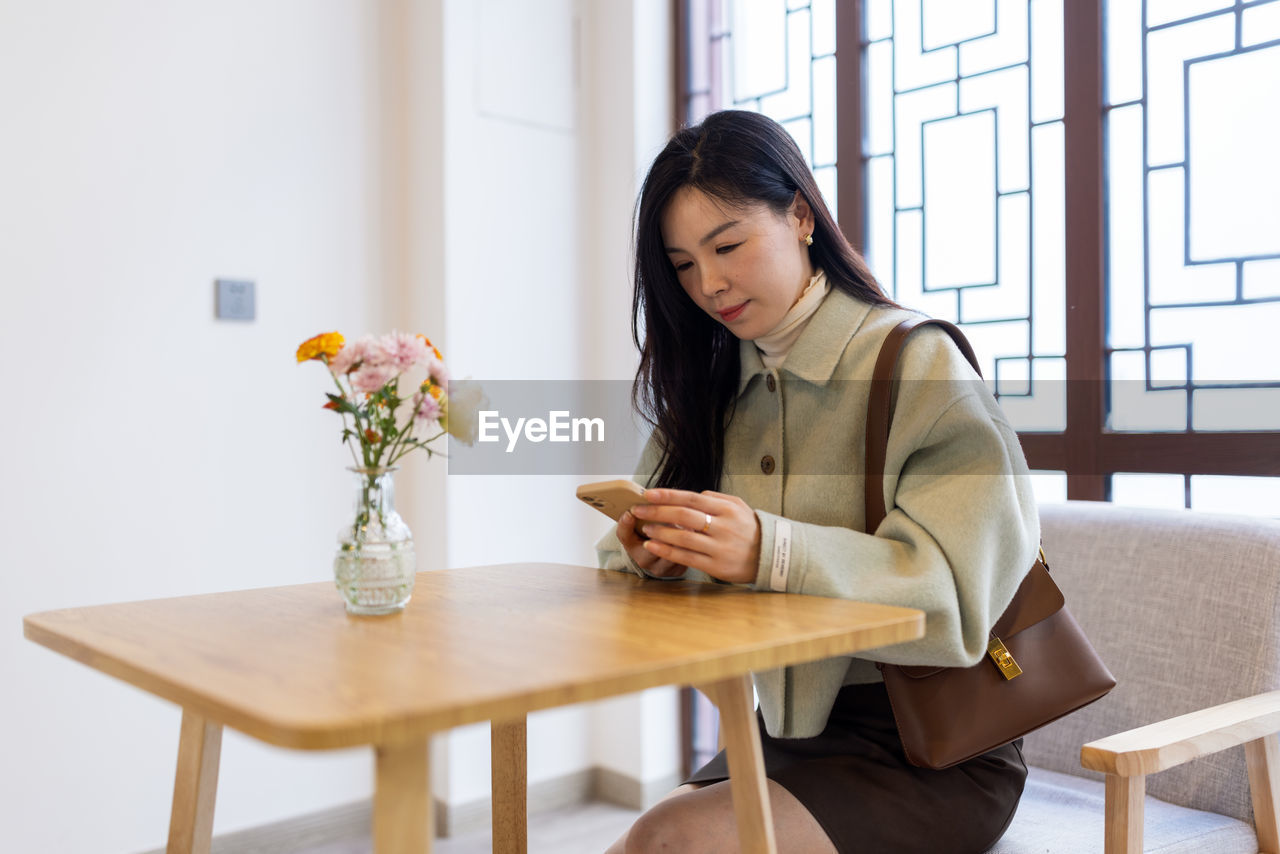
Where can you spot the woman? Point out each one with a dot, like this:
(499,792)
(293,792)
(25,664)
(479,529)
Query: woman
(761,326)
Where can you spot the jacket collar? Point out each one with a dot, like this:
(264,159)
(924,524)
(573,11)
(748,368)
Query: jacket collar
(817,351)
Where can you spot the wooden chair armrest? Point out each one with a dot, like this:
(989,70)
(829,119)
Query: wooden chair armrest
(1171,742)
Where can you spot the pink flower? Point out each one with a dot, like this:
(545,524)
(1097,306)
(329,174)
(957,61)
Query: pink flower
(428,409)
(436,370)
(371,376)
(403,350)
(363,350)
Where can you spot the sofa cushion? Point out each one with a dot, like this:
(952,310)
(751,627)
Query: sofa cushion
(1063,814)
(1184,608)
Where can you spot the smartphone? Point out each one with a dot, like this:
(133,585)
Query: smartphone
(612,497)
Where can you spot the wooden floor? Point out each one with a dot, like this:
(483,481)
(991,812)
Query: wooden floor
(581,829)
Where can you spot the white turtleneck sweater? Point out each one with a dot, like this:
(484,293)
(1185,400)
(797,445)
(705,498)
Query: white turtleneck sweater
(776,343)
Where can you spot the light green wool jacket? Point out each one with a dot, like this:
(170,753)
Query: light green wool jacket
(962,527)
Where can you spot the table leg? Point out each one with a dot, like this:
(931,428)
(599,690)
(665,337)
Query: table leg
(510,787)
(402,799)
(195,785)
(746,763)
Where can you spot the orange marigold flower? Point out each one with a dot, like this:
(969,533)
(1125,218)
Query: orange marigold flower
(427,341)
(435,391)
(322,347)
(373,436)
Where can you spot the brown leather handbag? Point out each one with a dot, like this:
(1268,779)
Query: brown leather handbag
(1039,665)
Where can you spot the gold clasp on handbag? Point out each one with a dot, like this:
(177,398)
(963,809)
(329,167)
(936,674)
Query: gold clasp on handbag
(1003,658)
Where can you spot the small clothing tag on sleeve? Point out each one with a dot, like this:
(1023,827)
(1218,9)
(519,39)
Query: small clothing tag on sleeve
(781,556)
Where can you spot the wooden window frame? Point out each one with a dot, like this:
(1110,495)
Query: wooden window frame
(1086,451)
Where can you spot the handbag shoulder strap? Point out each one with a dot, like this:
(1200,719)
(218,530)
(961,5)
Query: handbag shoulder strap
(877,433)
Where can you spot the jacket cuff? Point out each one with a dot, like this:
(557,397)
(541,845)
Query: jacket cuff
(778,559)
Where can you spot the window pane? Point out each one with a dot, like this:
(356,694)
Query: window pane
(1261,24)
(776,57)
(1124,64)
(1193,279)
(948,22)
(1046,70)
(1050,487)
(1174,10)
(1253,496)
(759,54)
(965,187)
(1149,490)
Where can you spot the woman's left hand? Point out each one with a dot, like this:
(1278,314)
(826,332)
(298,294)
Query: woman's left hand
(716,533)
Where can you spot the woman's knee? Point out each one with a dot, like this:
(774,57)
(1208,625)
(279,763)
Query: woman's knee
(669,826)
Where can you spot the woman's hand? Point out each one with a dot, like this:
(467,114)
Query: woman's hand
(710,531)
(633,542)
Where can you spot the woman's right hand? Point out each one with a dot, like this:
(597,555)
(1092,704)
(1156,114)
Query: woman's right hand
(633,542)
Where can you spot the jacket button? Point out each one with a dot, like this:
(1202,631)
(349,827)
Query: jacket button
(771,383)
(766,464)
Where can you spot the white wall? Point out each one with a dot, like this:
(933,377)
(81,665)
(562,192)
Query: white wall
(370,164)
(551,114)
(150,450)
(626,110)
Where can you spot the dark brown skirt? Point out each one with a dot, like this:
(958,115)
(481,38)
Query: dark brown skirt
(856,781)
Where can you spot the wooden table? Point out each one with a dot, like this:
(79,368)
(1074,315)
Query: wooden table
(288,666)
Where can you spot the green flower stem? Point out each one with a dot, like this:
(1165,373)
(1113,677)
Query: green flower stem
(364,513)
(362,426)
(395,441)
(421,444)
(343,393)
(403,435)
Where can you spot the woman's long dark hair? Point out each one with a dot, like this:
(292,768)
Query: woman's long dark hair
(688,376)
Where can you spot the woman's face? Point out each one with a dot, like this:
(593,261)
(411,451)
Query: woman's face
(745,267)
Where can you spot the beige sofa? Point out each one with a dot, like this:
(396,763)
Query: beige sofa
(1185,609)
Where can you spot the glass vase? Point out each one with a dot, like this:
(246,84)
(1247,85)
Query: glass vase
(375,565)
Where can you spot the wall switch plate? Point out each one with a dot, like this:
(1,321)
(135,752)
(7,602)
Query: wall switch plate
(233,299)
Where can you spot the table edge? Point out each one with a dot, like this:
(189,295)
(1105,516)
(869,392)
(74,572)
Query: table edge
(390,730)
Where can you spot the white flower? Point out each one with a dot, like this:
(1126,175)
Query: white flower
(462,412)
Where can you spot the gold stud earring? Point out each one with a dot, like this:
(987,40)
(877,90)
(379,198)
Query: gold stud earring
(808,240)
